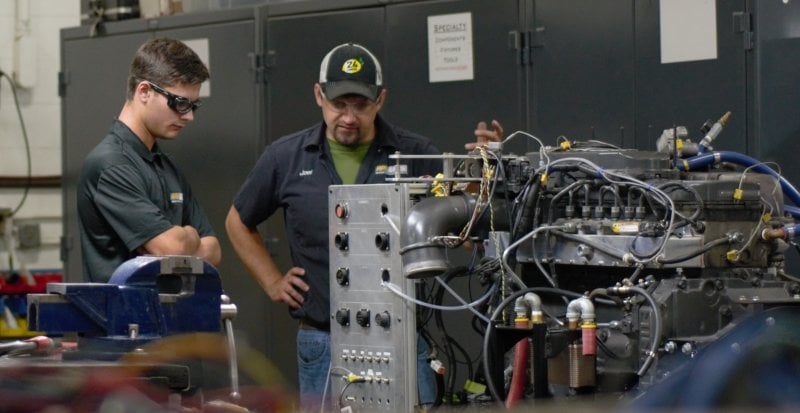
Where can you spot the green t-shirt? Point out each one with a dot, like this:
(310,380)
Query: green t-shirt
(347,160)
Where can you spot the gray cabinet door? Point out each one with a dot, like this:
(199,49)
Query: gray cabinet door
(689,93)
(598,75)
(447,112)
(583,70)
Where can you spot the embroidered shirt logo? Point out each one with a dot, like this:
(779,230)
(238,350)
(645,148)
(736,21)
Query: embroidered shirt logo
(392,169)
(306,172)
(176,197)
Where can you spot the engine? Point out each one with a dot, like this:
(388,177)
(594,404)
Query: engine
(604,269)
(666,254)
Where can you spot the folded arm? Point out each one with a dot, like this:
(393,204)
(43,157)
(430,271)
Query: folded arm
(184,240)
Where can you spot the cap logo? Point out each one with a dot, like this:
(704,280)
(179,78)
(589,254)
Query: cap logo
(353,66)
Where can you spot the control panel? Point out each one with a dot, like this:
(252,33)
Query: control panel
(373,327)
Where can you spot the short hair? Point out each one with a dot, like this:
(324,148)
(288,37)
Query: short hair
(165,62)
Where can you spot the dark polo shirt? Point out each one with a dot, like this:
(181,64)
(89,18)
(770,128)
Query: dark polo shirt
(126,196)
(294,173)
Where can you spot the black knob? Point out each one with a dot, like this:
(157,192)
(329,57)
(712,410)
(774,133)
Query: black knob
(362,317)
(343,317)
(382,241)
(342,241)
(343,277)
(383,319)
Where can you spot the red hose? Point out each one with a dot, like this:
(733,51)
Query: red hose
(517,388)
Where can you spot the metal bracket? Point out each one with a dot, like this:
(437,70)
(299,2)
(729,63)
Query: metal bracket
(63,81)
(743,23)
(525,42)
(261,64)
(256,66)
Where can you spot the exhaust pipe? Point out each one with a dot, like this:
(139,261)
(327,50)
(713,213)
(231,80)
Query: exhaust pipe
(431,217)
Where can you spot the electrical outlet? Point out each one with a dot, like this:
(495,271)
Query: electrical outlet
(30,235)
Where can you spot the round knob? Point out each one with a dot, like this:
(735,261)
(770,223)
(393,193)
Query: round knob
(342,241)
(343,277)
(343,316)
(383,319)
(382,241)
(362,317)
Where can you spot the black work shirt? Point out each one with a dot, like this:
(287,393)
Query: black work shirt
(127,195)
(294,173)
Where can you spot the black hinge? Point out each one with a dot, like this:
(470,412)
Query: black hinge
(256,66)
(743,23)
(524,43)
(63,81)
(66,245)
(261,65)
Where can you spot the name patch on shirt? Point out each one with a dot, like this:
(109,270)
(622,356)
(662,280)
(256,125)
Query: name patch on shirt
(176,197)
(391,169)
(306,172)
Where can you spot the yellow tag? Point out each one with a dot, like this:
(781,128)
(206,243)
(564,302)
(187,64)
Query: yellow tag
(474,387)
(437,189)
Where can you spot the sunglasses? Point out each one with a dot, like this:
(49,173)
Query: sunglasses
(177,103)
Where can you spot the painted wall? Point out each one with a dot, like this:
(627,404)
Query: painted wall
(29,52)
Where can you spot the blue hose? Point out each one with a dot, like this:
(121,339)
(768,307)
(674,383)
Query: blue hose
(711,158)
(792,210)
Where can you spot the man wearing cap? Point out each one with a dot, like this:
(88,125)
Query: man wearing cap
(351,146)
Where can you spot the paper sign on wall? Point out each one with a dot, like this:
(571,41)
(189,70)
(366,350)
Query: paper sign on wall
(200,46)
(450,47)
(688,30)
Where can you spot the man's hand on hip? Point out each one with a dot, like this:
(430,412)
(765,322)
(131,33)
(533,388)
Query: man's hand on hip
(290,288)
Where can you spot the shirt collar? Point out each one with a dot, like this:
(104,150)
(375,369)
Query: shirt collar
(127,136)
(384,136)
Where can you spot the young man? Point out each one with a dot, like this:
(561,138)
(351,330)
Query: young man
(132,199)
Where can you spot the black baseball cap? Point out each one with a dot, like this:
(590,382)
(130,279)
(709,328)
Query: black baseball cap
(350,68)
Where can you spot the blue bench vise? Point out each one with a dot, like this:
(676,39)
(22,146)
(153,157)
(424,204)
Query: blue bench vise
(147,298)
